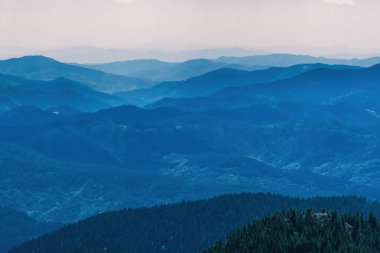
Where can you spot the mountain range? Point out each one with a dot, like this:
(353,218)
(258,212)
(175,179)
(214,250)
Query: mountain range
(286,60)
(179,53)
(69,151)
(166,71)
(175,53)
(18,91)
(47,69)
(216,80)
(324,87)
(179,71)
(126,156)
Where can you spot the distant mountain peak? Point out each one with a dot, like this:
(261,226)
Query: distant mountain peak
(33,58)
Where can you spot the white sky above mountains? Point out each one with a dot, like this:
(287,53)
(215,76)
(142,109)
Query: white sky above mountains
(48,24)
(340,2)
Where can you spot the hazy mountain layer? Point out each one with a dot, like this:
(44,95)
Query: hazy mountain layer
(216,80)
(165,71)
(17,91)
(286,60)
(47,69)
(350,89)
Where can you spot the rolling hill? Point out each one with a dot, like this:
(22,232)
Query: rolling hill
(17,91)
(216,80)
(127,157)
(164,71)
(351,88)
(47,69)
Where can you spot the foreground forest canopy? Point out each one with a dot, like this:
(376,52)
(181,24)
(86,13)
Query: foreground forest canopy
(294,232)
(187,227)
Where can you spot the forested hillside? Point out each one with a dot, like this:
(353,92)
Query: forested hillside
(187,227)
(293,232)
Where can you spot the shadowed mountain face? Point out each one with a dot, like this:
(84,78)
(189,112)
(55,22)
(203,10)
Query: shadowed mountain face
(47,69)
(187,227)
(17,91)
(348,90)
(216,80)
(17,227)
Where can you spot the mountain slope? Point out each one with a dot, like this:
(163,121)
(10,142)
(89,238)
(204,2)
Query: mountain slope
(17,227)
(60,191)
(320,86)
(127,157)
(216,80)
(17,92)
(305,232)
(27,115)
(47,69)
(133,68)
(187,227)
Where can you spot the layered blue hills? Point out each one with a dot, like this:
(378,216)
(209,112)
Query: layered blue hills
(47,69)
(167,71)
(179,71)
(286,60)
(18,91)
(70,149)
(216,80)
(353,88)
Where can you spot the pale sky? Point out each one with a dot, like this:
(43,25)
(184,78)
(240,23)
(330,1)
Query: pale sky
(46,24)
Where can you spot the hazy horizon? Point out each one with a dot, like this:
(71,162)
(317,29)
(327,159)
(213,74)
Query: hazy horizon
(342,28)
(179,53)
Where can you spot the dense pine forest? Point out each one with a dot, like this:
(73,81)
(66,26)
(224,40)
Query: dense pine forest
(285,232)
(187,227)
